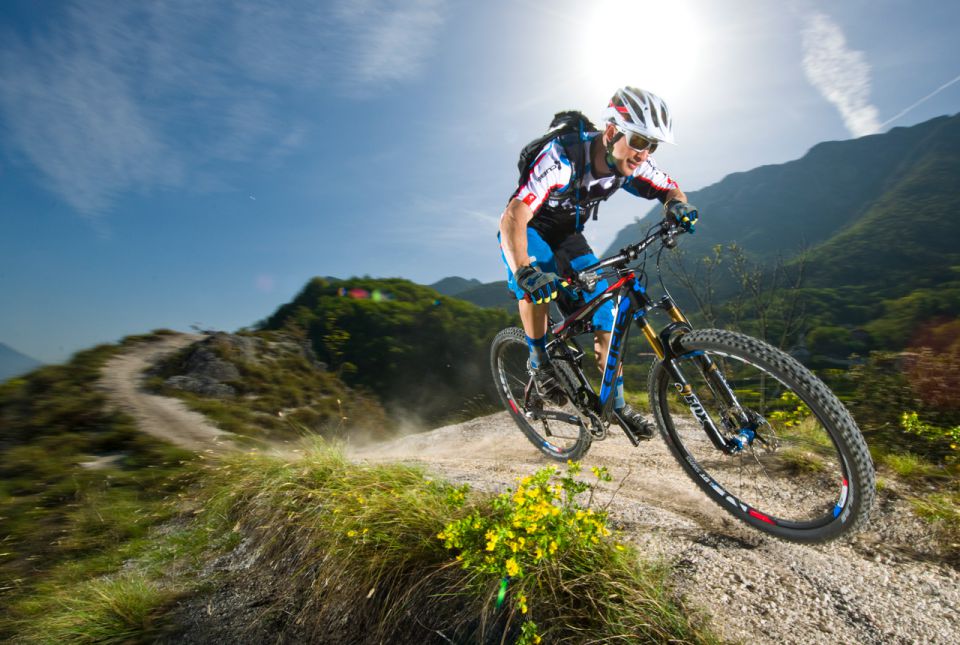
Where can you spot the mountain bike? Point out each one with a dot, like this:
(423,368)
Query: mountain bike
(757,432)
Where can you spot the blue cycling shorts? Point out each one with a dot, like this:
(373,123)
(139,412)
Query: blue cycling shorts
(546,260)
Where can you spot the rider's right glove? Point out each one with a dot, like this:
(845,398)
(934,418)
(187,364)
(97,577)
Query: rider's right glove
(682,214)
(541,287)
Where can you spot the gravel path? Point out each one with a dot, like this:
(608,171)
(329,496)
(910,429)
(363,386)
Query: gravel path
(162,417)
(883,586)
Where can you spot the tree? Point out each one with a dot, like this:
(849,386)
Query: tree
(764,300)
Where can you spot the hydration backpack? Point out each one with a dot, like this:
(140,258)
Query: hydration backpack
(572,127)
(563,125)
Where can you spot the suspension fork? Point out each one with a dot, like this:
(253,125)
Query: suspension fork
(665,347)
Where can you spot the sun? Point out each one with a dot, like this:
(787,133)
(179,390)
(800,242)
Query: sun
(651,45)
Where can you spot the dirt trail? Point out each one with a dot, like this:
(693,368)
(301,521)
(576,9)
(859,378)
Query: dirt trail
(883,586)
(162,417)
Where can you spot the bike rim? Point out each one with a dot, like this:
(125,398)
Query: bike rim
(793,476)
(551,436)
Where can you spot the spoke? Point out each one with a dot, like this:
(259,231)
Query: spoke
(522,384)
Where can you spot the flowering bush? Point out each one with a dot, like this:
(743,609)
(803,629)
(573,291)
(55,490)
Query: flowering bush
(538,521)
(912,424)
(794,410)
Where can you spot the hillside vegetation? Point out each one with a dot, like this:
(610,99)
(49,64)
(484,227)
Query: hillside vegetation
(268,386)
(424,355)
(78,482)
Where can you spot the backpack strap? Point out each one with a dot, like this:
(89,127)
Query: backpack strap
(584,164)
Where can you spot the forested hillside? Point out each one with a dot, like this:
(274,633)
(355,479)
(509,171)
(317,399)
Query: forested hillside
(420,352)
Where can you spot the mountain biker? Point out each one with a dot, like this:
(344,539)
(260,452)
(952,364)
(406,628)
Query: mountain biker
(541,230)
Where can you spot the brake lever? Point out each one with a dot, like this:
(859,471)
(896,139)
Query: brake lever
(670,236)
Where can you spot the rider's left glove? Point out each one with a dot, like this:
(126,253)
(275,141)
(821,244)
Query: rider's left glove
(682,214)
(541,287)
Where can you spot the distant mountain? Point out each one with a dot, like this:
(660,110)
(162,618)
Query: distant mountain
(491,294)
(868,208)
(13,363)
(454,285)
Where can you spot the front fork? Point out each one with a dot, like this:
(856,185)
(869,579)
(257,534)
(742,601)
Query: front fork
(666,348)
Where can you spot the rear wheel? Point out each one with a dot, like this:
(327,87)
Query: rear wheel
(803,475)
(558,430)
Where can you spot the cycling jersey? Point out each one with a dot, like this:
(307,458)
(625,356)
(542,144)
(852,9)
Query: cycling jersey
(562,196)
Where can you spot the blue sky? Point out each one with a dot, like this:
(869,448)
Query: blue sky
(164,164)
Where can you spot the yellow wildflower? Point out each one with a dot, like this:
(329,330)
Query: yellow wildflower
(512,567)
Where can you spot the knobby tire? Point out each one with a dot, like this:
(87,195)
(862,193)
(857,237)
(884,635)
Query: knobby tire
(508,356)
(811,480)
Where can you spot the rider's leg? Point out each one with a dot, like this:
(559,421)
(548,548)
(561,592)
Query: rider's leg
(603,328)
(601,345)
(534,319)
(532,316)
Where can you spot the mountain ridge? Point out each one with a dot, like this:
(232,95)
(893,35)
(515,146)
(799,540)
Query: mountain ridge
(14,363)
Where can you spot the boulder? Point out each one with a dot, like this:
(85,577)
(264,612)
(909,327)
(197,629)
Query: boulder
(202,385)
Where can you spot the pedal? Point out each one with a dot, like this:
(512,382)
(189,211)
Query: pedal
(627,430)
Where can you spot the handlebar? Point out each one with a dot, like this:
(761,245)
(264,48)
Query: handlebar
(588,278)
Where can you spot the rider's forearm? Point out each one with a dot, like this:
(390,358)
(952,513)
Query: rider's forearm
(675,193)
(513,233)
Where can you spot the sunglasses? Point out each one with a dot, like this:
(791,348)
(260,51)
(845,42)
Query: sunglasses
(639,142)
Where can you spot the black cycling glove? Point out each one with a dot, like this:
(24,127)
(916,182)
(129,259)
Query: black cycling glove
(541,287)
(682,214)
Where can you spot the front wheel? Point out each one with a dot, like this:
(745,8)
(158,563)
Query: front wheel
(557,429)
(803,473)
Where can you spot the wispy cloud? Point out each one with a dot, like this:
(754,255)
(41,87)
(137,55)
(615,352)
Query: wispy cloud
(390,41)
(840,74)
(117,97)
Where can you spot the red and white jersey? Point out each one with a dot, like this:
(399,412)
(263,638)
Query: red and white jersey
(554,187)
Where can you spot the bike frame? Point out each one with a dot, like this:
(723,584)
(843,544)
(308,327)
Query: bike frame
(632,304)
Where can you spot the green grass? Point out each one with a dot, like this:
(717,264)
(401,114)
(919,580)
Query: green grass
(912,467)
(281,393)
(121,595)
(61,520)
(942,511)
(109,610)
(371,532)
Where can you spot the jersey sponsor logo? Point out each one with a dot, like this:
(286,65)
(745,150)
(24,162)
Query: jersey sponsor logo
(554,166)
(529,199)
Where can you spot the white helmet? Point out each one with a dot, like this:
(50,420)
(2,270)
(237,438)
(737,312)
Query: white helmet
(639,111)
